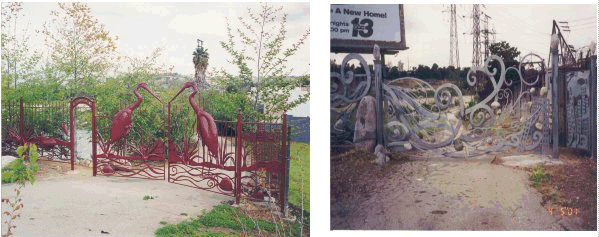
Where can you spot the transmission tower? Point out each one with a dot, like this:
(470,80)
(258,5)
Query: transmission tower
(476,36)
(454,54)
(486,32)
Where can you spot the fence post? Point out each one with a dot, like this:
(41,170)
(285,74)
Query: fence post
(238,159)
(554,96)
(169,141)
(72,133)
(593,103)
(285,161)
(22,120)
(94,145)
(378,87)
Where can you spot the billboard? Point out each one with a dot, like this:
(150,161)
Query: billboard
(357,27)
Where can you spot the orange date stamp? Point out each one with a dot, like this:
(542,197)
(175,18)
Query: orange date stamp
(564,211)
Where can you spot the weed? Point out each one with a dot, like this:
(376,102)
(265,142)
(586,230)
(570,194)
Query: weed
(226,216)
(21,171)
(163,222)
(539,175)
(148,197)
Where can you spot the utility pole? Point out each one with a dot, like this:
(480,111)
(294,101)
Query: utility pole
(476,61)
(565,51)
(454,55)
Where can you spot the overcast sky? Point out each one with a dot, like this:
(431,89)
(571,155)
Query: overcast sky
(526,27)
(142,27)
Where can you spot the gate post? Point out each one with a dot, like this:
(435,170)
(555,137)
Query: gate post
(284,193)
(554,96)
(593,103)
(21,119)
(72,135)
(238,159)
(94,145)
(378,80)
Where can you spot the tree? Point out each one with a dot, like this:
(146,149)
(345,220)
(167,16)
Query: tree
(200,62)
(82,51)
(261,37)
(509,55)
(506,52)
(400,65)
(18,63)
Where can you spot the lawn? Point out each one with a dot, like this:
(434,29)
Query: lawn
(225,220)
(299,168)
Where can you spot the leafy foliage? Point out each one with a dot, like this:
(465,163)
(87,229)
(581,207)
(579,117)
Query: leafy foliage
(261,37)
(19,62)
(22,170)
(508,53)
(82,50)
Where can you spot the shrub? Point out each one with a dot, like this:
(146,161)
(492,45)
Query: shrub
(22,169)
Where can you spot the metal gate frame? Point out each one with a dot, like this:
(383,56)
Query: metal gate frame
(49,147)
(234,172)
(198,165)
(396,107)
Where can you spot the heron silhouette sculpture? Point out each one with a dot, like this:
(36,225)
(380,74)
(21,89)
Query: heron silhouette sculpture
(121,123)
(205,123)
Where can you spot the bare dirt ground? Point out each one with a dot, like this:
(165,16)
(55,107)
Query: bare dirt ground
(571,191)
(416,193)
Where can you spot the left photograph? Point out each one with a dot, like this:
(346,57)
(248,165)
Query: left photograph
(155,119)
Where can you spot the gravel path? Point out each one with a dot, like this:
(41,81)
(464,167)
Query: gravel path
(445,194)
(78,204)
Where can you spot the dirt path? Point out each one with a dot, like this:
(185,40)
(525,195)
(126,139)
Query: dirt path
(65,203)
(435,194)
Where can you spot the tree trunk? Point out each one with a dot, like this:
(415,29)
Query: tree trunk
(201,64)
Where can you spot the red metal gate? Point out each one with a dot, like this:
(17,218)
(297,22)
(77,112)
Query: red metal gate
(249,160)
(240,159)
(45,124)
(234,158)
(127,148)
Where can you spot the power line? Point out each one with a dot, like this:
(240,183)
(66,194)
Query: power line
(592,22)
(588,27)
(582,19)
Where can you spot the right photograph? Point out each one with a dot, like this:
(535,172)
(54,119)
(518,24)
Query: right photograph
(463,117)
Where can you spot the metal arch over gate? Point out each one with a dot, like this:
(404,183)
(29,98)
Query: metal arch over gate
(417,115)
(92,105)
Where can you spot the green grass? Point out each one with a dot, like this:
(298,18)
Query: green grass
(222,216)
(539,175)
(299,166)
(226,216)
(148,197)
